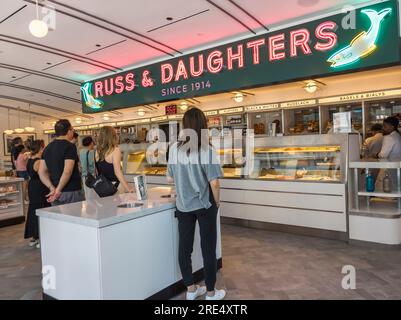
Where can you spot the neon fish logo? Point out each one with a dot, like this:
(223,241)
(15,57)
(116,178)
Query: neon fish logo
(364,44)
(90,100)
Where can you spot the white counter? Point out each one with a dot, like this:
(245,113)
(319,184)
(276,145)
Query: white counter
(104,212)
(95,250)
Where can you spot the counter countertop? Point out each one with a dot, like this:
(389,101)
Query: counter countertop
(99,213)
(10,179)
(375,164)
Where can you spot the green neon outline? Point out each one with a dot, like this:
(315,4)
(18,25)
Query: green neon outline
(358,59)
(90,101)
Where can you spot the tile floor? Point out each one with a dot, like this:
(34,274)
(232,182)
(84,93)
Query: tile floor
(256,265)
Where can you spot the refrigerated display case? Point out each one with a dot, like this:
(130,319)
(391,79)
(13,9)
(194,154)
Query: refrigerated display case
(310,158)
(298,163)
(294,183)
(11,201)
(136,160)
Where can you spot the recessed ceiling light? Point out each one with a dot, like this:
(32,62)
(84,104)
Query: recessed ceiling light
(169,18)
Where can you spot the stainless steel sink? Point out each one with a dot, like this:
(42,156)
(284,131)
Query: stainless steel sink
(130,205)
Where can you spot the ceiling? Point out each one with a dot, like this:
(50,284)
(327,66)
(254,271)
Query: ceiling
(92,38)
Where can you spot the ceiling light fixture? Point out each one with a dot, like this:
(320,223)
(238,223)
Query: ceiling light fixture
(78,120)
(184,106)
(239,97)
(8,131)
(29,128)
(141,112)
(106,117)
(38,27)
(311,87)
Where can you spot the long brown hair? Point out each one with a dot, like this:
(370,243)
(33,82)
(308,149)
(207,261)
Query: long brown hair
(107,142)
(196,120)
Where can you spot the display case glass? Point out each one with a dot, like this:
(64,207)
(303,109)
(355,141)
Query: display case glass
(321,158)
(327,115)
(232,162)
(136,160)
(302,121)
(266,123)
(298,163)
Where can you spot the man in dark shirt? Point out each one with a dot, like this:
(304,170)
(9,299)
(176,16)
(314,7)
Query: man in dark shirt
(58,168)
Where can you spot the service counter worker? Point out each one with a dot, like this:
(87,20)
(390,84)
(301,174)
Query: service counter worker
(194,169)
(391,149)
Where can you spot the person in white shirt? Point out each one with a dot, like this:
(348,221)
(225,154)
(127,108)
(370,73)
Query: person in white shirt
(391,149)
(375,142)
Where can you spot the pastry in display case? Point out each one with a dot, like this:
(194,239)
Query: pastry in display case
(310,163)
(11,199)
(136,161)
(232,161)
(313,158)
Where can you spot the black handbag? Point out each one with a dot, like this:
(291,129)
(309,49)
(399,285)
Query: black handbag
(104,187)
(89,179)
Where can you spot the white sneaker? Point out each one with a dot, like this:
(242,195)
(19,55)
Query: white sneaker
(33,243)
(218,295)
(38,245)
(200,291)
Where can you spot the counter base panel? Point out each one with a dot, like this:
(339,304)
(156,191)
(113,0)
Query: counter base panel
(375,229)
(302,231)
(170,292)
(11,221)
(136,259)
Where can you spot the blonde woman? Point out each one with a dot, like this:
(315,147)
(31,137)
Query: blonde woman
(108,159)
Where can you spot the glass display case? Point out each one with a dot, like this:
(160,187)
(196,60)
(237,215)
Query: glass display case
(302,121)
(327,114)
(312,158)
(136,159)
(140,160)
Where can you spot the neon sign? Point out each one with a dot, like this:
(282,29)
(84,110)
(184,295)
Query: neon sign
(364,44)
(89,99)
(314,49)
